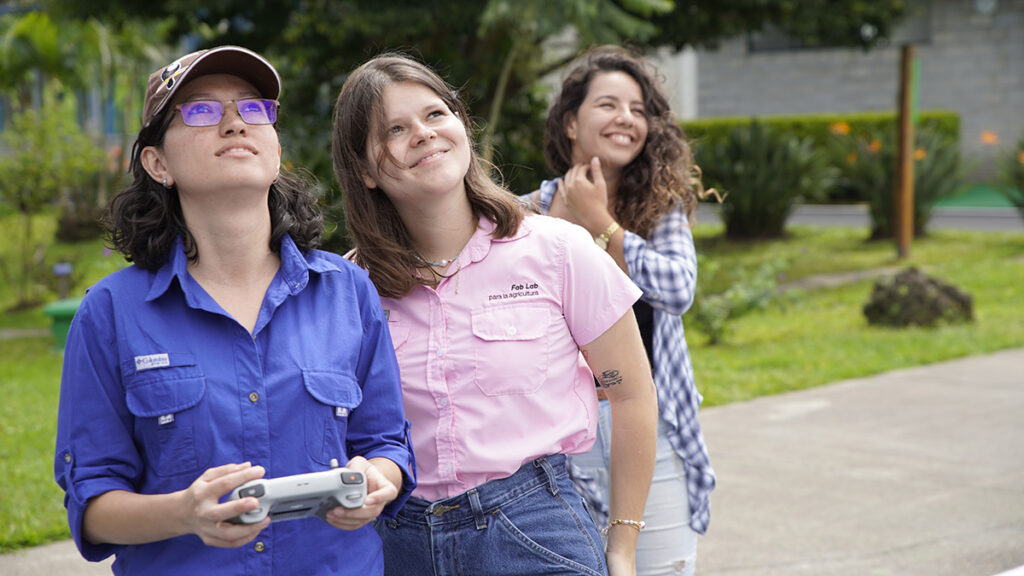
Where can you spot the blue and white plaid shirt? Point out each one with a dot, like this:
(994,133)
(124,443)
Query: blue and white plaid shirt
(664,266)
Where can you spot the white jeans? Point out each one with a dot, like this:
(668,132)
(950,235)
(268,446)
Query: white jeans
(667,546)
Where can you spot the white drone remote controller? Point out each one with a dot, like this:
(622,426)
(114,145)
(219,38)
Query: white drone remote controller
(302,495)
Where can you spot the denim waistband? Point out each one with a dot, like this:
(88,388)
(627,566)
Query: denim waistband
(489,496)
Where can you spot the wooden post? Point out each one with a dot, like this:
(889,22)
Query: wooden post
(903,209)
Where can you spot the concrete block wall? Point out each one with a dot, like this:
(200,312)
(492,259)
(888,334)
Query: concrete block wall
(971,63)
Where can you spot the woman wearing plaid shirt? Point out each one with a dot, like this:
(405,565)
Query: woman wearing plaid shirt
(628,180)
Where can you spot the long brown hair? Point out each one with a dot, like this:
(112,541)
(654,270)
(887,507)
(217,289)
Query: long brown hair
(663,174)
(383,245)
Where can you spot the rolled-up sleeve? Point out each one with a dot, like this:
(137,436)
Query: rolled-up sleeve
(94,448)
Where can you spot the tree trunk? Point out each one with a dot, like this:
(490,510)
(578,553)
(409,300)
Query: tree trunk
(487,139)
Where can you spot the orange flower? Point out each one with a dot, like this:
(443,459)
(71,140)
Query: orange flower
(852,157)
(841,128)
(919,154)
(988,137)
(875,146)
(1020,157)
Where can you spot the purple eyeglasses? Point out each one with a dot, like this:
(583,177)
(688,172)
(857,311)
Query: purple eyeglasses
(209,112)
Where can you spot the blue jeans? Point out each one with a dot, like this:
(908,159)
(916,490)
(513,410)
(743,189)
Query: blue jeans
(532,522)
(667,546)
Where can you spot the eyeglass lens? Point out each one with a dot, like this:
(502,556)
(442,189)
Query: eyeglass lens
(209,112)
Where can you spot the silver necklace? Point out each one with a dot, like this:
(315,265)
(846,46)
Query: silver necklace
(441,263)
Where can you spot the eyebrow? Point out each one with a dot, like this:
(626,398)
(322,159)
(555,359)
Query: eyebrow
(616,98)
(439,103)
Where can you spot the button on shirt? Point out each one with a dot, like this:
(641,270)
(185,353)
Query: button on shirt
(161,384)
(492,375)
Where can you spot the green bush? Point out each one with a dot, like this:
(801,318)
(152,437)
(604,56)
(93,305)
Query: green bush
(1012,177)
(49,155)
(750,289)
(867,167)
(762,171)
(821,128)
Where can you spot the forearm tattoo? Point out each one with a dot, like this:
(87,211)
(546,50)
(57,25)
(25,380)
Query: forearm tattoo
(610,378)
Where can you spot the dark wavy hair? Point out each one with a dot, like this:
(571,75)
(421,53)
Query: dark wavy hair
(383,245)
(663,175)
(145,218)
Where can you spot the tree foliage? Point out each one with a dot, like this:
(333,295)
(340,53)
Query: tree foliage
(47,154)
(810,22)
(495,51)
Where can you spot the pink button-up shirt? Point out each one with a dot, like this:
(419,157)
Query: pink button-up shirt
(492,375)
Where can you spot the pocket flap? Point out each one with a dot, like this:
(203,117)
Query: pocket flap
(333,388)
(158,397)
(511,323)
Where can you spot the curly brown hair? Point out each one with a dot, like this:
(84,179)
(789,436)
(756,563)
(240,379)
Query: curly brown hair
(145,219)
(383,245)
(663,175)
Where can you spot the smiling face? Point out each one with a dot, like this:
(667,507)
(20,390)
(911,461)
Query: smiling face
(428,147)
(611,122)
(230,155)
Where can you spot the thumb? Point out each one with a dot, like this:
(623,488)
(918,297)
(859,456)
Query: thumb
(595,170)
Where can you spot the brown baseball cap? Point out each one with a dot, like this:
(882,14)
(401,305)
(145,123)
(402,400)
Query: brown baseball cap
(233,60)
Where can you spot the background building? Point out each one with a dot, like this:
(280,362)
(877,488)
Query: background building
(971,55)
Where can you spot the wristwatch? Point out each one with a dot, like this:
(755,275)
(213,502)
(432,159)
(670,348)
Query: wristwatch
(602,240)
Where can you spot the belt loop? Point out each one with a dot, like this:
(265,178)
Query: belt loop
(552,482)
(478,509)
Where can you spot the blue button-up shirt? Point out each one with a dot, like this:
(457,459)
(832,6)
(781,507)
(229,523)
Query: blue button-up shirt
(160,384)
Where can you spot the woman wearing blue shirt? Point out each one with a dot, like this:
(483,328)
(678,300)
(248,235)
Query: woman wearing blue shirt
(230,350)
(628,179)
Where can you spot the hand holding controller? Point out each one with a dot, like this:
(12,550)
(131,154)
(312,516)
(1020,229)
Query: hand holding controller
(302,495)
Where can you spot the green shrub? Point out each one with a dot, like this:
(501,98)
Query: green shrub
(821,128)
(867,167)
(749,289)
(49,155)
(1012,177)
(762,172)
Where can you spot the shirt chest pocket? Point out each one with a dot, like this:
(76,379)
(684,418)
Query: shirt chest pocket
(510,349)
(171,418)
(332,398)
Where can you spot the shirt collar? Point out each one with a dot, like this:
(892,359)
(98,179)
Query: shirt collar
(480,243)
(294,271)
(174,267)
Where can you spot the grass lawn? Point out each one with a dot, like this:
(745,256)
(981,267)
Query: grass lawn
(31,511)
(822,336)
(816,338)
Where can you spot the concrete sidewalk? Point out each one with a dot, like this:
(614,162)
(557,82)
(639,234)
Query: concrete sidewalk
(918,471)
(856,216)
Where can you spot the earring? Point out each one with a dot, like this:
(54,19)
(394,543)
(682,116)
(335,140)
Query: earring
(164,182)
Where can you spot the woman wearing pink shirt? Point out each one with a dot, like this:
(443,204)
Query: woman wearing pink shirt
(499,321)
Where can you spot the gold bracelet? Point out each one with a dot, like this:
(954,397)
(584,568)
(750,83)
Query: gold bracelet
(606,236)
(638,525)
